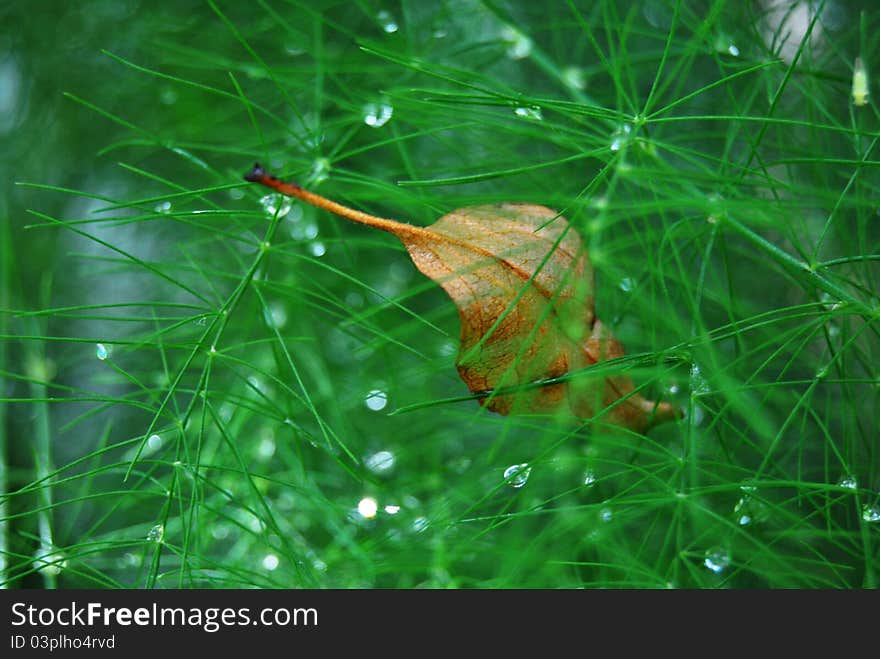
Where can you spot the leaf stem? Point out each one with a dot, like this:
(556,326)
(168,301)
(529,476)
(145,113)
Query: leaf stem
(261,176)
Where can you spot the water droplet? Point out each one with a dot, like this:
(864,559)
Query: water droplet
(168,96)
(699,386)
(589,477)
(848,482)
(102,352)
(367,507)
(533,113)
(220,532)
(376,400)
(420,524)
(156,533)
(830,303)
(627,284)
(717,560)
(724,44)
(275,315)
(154,442)
(672,389)
(748,509)
(276,204)
(392,510)
(320,171)
(317,248)
(266,448)
(620,137)
(319,565)
(51,564)
(163,207)
(270,562)
(606,515)
(574,77)
(293,50)
(386,20)
(310,231)
(871,513)
(236,193)
(517,475)
(658,14)
(519,46)
(380,462)
(377,115)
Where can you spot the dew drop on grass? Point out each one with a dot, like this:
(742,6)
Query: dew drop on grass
(275,204)
(367,507)
(517,475)
(392,510)
(529,112)
(589,478)
(871,513)
(717,560)
(848,482)
(699,386)
(376,400)
(574,77)
(749,510)
(102,352)
(163,207)
(380,462)
(620,137)
(419,524)
(270,562)
(275,315)
(156,533)
(154,443)
(377,115)
(386,20)
(266,448)
(519,46)
(606,515)
(317,248)
(51,564)
(627,284)
(320,171)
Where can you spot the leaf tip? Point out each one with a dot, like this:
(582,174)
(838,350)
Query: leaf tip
(257,174)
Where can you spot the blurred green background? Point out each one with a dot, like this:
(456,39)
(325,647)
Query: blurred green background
(200,380)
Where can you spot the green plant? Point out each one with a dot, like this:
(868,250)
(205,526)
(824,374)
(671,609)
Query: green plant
(210,386)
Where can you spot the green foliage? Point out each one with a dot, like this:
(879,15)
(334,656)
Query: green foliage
(201,382)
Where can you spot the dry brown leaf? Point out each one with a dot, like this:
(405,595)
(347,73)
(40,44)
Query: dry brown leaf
(523,285)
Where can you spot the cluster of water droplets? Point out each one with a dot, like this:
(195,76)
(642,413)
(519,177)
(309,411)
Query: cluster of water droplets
(368,508)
